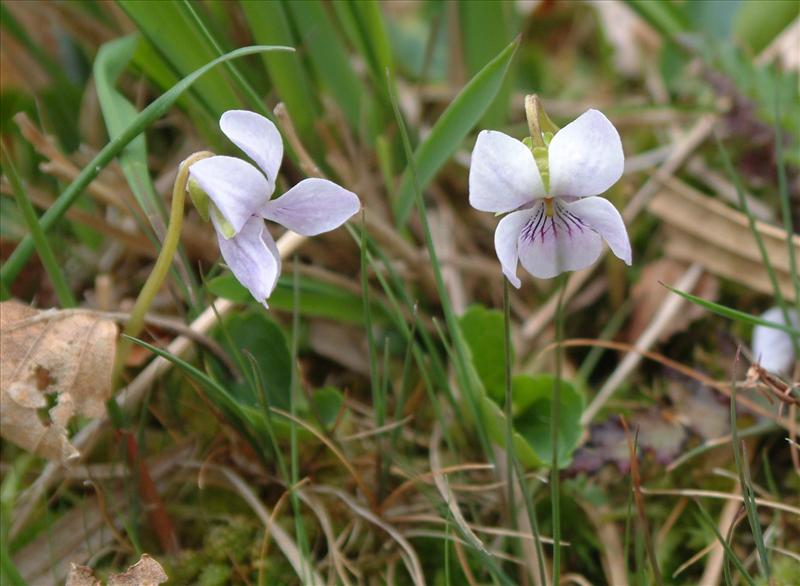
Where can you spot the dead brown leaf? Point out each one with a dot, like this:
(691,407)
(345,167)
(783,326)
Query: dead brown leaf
(82,576)
(145,572)
(53,364)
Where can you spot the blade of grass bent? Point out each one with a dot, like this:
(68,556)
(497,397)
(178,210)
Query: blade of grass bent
(51,266)
(733,313)
(452,128)
(155,110)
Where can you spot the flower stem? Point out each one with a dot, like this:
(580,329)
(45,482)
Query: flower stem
(163,262)
(509,412)
(555,416)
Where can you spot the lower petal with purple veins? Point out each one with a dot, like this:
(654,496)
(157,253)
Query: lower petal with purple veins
(550,244)
(601,215)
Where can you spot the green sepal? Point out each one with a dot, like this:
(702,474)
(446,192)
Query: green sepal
(228,231)
(200,199)
(543,163)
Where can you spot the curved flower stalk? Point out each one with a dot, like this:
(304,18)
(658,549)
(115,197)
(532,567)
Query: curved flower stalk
(556,221)
(773,349)
(235,195)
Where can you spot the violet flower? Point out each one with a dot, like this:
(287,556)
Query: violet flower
(556,221)
(239,195)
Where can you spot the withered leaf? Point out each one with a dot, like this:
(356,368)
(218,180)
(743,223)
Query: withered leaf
(82,576)
(659,436)
(145,572)
(53,365)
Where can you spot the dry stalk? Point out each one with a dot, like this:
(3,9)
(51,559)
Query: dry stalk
(410,557)
(447,494)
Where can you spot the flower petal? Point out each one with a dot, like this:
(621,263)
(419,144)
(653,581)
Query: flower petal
(551,245)
(502,175)
(312,206)
(585,157)
(773,348)
(601,215)
(506,240)
(251,257)
(258,137)
(237,188)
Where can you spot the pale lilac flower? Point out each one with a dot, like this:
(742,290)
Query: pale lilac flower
(240,194)
(555,228)
(773,348)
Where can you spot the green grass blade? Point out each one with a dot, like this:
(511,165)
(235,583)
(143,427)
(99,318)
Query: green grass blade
(329,59)
(666,17)
(118,112)
(729,553)
(244,419)
(155,110)
(465,371)
(751,220)
(452,128)
(270,26)
(252,95)
(485,31)
(363,24)
(733,313)
(372,346)
(184,47)
(8,571)
(748,496)
(300,530)
(786,207)
(46,255)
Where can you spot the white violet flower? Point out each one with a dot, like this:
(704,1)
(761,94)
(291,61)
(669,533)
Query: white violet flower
(557,227)
(772,348)
(240,197)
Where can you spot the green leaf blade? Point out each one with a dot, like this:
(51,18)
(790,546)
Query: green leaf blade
(452,128)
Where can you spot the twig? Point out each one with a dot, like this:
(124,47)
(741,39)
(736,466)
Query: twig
(663,318)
